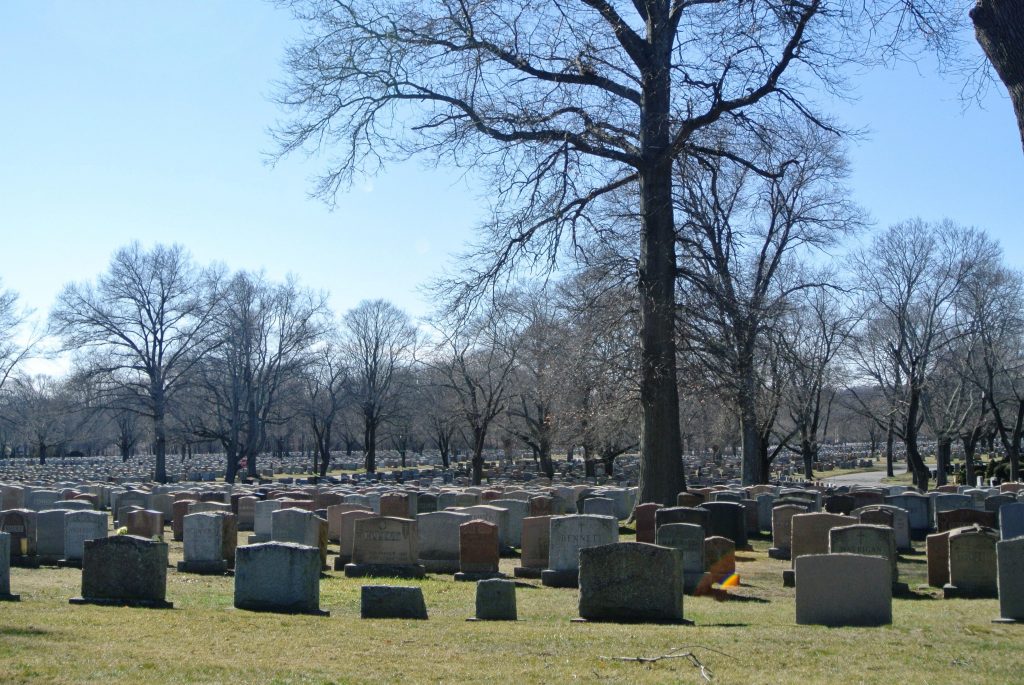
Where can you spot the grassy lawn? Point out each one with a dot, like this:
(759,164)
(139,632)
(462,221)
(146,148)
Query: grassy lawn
(204,639)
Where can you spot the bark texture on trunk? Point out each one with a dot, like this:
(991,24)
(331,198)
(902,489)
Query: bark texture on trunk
(661,466)
(999,28)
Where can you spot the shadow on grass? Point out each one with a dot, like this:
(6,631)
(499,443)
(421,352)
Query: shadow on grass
(907,593)
(746,558)
(912,560)
(722,625)
(11,631)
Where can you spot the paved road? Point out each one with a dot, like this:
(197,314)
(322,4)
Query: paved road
(869,478)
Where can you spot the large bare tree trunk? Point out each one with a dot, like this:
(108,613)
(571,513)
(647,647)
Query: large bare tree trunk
(915,462)
(661,467)
(159,433)
(999,28)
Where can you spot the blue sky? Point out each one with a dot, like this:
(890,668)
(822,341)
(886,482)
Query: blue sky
(130,120)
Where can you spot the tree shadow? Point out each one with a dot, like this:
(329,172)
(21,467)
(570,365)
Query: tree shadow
(12,631)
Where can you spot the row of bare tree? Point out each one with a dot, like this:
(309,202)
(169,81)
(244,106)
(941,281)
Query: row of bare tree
(920,332)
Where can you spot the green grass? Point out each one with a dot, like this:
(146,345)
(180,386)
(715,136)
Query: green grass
(204,639)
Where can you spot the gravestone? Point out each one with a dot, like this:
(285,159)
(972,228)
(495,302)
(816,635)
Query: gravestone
(210,539)
(994,503)
(630,581)
(534,552)
(517,511)
(20,524)
(496,515)
(765,504)
(945,502)
(301,527)
(392,601)
(179,510)
(246,512)
(810,536)
(689,500)
(840,504)
(719,558)
(496,600)
(937,556)
(960,518)
(894,517)
(281,577)
(5,569)
(262,521)
(1010,563)
(688,538)
(439,540)
(124,570)
(569,535)
(843,590)
(541,505)
(646,521)
(394,505)
(80,526)
(478,551)
(918,512)
(866,540)
(727,520)
(384,546)
(426,504)
(599,506)
(347,533)
(972,563)
(1011,521)
(334,519)
(668,515)
(50,535)
(782,526)
(146,523)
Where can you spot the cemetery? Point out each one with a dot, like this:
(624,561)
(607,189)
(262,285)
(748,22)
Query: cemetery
(572,594)
(531,342)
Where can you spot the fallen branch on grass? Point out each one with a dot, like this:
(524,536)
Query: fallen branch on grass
(676,653)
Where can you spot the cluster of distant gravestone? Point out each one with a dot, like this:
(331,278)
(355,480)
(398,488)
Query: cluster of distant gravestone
(842,544)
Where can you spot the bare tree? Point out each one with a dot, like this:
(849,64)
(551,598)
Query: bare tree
(326,394)
(475,362)
(16,343)
(147,319)
(265,333)
(561,103)
(994,302)
(815,335)
(738,245)
(910,279)
(378,341)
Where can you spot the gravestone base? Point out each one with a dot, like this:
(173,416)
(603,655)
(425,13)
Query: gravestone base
(46,561)
(384,571)
(953,592)
(440,565)
(657,622)
(340,562)
(779,553)
(206,568)
(257,539)
(389,601)
(527,572)
(789,578)
(24,562)
(473,577)
(8,597)
(553,578)
(107,602)
(1005,620)
(70,563)
(279,609)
